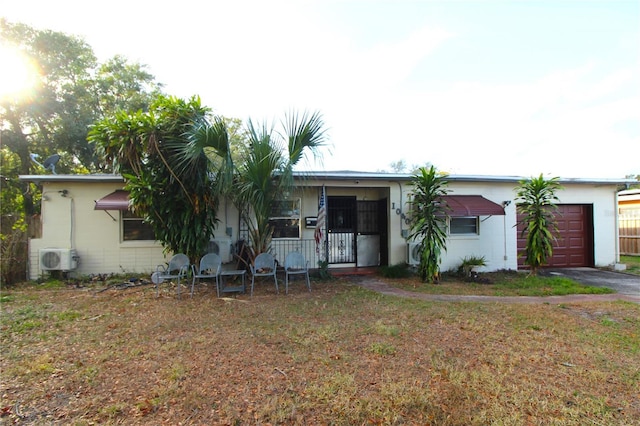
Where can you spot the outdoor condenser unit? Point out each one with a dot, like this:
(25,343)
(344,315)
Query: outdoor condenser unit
(413,254)
(58,259)
(222,248)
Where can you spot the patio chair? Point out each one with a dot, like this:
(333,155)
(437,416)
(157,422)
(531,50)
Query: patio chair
(208,269)
(295,264)
(264,265)
(178,268)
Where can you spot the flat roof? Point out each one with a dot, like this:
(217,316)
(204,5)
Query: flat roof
(74,178)
(344,175)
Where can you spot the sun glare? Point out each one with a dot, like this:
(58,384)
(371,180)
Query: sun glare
(17,74)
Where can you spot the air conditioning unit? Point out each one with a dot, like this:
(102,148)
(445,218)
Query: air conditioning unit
(58,259)
(413,254)
(222,248)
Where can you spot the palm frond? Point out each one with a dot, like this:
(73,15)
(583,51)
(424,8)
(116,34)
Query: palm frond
(304,133)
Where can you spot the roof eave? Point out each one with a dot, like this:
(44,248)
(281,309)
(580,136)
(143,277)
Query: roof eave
(102,178)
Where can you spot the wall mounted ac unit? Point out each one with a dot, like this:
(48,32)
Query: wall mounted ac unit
(222,248)
(413,254)
(58,259)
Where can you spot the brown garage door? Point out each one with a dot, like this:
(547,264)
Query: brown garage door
(574,246)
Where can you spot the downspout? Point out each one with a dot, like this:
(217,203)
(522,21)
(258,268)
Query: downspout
(617,230)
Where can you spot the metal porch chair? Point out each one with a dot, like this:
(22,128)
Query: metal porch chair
(295,264)
(263,266)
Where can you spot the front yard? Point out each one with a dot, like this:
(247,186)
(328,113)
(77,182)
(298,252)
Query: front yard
(337,355)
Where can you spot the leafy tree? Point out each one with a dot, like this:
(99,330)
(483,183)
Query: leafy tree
(428,222)
(633,185)
(173,196)
(71,91)
(401,166)
(536,199)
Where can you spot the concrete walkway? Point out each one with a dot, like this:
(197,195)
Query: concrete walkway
(375,284)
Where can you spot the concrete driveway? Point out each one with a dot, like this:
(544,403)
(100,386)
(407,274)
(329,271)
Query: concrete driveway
(622,283)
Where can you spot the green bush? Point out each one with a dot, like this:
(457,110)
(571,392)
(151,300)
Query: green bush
(400,270)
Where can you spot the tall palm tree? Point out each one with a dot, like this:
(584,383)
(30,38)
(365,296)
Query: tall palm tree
(536,200)
(428,221)
(264,174)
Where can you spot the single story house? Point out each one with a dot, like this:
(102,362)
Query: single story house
(87,229)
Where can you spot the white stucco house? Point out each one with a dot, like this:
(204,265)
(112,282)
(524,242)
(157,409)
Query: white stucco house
(87,229)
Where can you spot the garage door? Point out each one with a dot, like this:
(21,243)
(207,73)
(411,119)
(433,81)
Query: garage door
(574,246)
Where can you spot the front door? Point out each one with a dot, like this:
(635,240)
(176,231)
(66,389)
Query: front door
(341,229)
(357,231)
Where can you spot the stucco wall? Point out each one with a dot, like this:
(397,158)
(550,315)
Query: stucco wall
(496,240)
(70,221)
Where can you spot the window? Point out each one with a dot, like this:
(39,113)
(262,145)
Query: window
(285,219)
(134,228)
(463,225)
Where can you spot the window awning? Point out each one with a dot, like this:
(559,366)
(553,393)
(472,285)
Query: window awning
(471,205)
(117,200)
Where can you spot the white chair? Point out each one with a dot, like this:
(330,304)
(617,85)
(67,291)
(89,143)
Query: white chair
(208,269)
(295,264)
(178,268)
(264,265)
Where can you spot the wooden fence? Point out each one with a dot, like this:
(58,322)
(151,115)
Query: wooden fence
(629,222)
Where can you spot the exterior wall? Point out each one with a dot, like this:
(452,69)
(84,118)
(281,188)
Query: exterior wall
(496,240)
(72,222)
(309,196)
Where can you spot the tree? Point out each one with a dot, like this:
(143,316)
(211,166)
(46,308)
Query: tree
(71,91)
(401,166)
(174,196)
(427,220)
(266,175)
(262,172)
(536,199)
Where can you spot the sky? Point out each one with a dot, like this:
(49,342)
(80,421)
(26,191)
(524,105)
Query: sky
(475,87)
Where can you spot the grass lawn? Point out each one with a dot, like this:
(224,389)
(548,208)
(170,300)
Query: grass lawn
(339,355)
(505,283)
(633,264)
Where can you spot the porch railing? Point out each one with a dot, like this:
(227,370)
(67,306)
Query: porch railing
(307,247)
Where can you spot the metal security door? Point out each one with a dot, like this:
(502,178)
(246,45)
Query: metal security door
(341,228)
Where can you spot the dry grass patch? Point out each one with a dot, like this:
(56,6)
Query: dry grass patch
(338,355)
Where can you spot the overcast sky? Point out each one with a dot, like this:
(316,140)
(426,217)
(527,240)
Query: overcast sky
(472,87)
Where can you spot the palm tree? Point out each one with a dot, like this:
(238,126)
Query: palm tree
(536,199)
(428,220)
(264,174)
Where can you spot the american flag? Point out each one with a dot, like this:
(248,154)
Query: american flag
(319,233)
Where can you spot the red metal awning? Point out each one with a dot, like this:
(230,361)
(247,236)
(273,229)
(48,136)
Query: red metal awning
(117,200)
(471,205)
